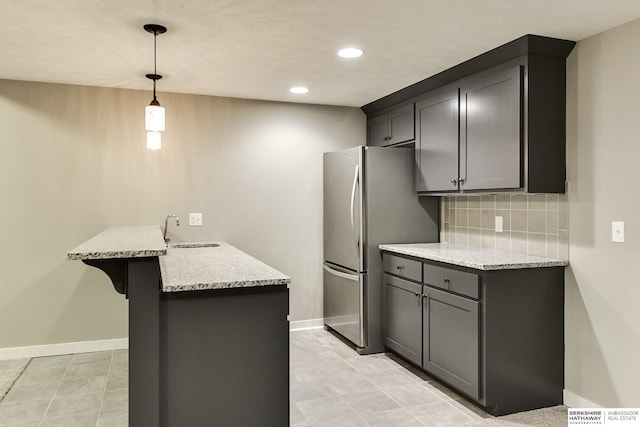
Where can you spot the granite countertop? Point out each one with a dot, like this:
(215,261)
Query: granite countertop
(196,267)
(224,266)
(122,242)
(480,259)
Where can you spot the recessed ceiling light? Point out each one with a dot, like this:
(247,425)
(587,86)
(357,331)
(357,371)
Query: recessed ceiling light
(299,90)
(350,52)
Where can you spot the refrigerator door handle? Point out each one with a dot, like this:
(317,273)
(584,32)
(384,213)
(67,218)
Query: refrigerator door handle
(347,276)
(356,181)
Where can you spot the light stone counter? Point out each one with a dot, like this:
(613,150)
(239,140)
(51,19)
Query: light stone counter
(221,267)
(480,259)
(182,269)
(122,242)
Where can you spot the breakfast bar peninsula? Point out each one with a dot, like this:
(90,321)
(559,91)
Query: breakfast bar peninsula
(208,329)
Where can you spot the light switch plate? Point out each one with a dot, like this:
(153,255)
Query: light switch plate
(617,231)
(195,218)
(499,224)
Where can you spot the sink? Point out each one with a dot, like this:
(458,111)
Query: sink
(186,245)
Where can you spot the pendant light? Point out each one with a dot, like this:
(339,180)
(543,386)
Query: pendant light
(154,112)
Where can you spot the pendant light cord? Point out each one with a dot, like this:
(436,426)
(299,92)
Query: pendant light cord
(155,71)
(155,29)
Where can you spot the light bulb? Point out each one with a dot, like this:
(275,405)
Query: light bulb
(154,140)
(350,52)
(299,90)
(154,118)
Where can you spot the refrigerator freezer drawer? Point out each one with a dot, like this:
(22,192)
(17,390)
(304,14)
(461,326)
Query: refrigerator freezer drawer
(343,304)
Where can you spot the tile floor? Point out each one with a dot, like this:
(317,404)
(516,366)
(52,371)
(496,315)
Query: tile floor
(88,389)
(331,385)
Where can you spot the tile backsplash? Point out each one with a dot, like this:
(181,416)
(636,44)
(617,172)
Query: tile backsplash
(534,224)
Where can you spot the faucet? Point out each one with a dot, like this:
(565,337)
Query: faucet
(166,221)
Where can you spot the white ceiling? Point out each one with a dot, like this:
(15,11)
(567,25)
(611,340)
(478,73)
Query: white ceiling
(260,48)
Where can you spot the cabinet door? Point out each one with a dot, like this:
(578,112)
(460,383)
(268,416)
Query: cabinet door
(491,132)
(401,126)
(377,131)
(450,342)
(403,317)
(437,142)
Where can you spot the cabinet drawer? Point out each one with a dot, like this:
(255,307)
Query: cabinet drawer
(452,280)
(402,267)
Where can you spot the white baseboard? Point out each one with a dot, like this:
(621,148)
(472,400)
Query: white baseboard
(63,348)
(114,344)
(573,400)
(303,325)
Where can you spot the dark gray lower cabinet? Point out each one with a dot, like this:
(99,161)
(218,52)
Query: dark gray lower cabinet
(224,358)
(450,344)
(403,325)
(496,337)
(434,329)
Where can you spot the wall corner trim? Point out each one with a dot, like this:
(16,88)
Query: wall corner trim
(63,348)
(573,400)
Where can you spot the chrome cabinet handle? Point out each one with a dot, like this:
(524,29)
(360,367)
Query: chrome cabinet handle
(461,181)
(417,294)
(454,181)
(447,280)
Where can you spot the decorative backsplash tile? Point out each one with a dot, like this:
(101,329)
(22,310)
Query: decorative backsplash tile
(534,224)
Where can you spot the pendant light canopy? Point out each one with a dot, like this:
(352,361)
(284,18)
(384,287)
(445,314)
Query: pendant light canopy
(154,112)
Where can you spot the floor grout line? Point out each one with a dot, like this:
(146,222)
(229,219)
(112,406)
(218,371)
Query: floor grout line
(104,388)
(55,392)
(19,374)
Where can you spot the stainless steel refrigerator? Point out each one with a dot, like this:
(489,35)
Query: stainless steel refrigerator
(369,199)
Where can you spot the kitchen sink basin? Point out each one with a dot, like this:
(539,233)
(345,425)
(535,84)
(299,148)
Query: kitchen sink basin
(194,245)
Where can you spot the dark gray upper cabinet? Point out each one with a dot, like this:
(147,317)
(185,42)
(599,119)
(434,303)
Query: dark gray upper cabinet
(490,131)
(378,131)
(436,144)
(509,131)
(469,134)
(394,126)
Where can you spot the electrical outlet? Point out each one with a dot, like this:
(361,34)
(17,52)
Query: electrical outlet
(195,218)
(498,224)
(617,231)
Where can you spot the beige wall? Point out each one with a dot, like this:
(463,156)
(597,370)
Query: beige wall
(74,162)
(602,283)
